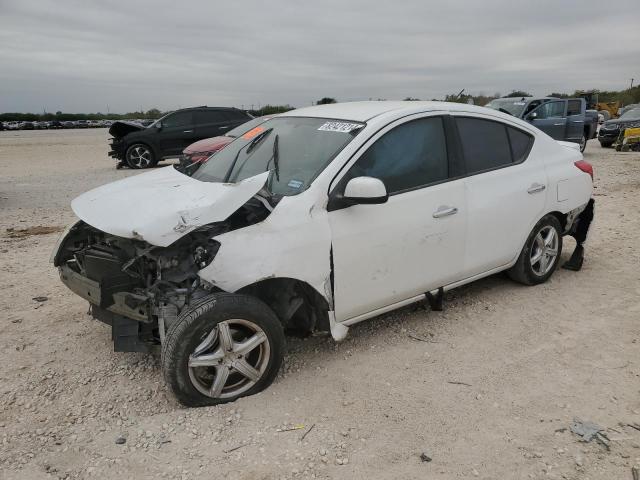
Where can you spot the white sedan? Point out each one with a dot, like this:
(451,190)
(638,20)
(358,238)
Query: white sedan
(317,219)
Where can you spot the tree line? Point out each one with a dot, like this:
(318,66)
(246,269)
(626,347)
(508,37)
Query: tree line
(625,97)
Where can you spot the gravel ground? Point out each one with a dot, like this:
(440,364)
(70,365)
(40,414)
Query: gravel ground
(487,388)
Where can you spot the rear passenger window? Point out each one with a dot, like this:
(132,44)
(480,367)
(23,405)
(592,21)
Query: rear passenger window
(520,144)
(485,144)
(238,115)
(411,155)
(178,119)
(209,116)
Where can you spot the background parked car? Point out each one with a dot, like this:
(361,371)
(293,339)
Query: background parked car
(201,150)
(561,119)
(611,129)
(626,108)
(139,147)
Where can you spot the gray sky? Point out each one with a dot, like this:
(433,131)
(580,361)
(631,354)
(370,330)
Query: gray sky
(80,56)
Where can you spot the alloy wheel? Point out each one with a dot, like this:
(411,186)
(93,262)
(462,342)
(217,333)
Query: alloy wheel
(140,157)
(230,360)
(544,251)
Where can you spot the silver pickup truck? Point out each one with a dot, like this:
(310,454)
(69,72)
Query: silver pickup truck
(561,119)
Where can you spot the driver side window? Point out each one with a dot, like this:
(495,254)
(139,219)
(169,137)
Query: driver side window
(409,156)
(551,110)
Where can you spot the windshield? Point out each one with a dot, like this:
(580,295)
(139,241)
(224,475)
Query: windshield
(514,106)
(245,127)
(294,149)
(631,115)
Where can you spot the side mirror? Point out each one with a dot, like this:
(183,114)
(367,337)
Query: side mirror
(532,116)
(365,190)
(158,125)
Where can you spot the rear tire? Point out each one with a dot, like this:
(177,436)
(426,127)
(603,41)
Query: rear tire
(541,253)
(583,143)
(224,347)
(140,155)
(605,144)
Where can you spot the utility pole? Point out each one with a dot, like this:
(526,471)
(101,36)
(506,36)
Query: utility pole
(631,83)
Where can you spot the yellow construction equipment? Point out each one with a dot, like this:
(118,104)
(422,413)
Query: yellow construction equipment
(593,104)
(611,107)
(629,141)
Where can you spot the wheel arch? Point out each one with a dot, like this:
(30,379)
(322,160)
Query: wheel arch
(562,218)
(299,306)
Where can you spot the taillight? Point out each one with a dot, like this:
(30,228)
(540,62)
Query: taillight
(585,166)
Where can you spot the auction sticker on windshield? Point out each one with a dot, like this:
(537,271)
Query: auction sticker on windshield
(342,127)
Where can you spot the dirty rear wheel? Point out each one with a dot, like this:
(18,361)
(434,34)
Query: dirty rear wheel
(541,252)
(224,347)
(140,155)
(583,143)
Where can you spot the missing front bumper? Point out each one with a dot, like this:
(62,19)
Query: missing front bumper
(129,305)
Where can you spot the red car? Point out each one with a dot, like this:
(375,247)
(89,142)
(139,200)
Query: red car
(201,150)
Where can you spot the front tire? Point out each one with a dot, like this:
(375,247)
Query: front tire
(224,347)
(541,253)
(140,155)
(606,144)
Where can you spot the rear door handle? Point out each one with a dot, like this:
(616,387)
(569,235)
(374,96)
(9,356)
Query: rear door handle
(187,131)
(224,128)
(558,124)
(445,211)
(536,187)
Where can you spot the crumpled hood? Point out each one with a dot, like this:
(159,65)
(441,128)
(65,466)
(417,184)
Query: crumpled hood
(162,206)
(119,128)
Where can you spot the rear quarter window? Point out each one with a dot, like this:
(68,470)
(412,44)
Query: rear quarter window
(521,144)
(209,116)
(487,144)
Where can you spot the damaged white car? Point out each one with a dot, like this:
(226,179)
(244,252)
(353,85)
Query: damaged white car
(313,221)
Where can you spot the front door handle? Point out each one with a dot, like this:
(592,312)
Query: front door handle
(223,128)
(445,211)
(536,187)
(558,124)
(187,131)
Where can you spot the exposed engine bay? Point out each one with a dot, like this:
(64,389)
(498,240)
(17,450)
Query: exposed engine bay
(140,287)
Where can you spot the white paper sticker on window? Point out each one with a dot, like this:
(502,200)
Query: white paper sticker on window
(342,127)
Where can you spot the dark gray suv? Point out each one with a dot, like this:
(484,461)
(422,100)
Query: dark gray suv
(136,146)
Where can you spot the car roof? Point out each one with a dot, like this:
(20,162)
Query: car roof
(363,111)
(204,107)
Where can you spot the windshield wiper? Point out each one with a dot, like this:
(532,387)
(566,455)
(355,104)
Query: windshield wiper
(276,157)
(249,146)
